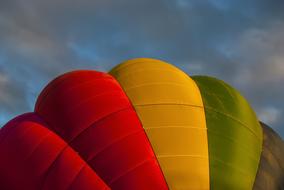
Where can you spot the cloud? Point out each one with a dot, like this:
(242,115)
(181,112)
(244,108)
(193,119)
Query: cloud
(240,42)
(259,53)
(11,96)
(270,115)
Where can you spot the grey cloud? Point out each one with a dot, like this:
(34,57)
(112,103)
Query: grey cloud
(237,41)
(260,76)
(270,115)
(11,97)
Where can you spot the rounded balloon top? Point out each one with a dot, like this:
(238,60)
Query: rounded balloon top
(144,125)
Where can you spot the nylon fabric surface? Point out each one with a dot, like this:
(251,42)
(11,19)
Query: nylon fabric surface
(234,136)
(33,157)
(145,125)
(170,108)
(90,111)
(270,173)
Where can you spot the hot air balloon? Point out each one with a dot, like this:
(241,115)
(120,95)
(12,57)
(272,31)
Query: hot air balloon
(144,125)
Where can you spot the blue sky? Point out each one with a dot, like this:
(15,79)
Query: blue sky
(241,42)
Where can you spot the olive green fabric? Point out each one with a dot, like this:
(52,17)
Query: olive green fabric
(234,136)
(270,175)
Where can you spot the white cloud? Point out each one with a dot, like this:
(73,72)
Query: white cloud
(260,53)
(270,115)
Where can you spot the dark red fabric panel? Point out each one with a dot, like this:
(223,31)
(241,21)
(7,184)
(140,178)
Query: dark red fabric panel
(91,112)
(74,104)
(33,157)
(63,80)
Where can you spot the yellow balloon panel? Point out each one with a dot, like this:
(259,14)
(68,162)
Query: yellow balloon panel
(170,108)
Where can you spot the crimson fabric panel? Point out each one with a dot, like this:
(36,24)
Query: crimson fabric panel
(91,112)
(33,157)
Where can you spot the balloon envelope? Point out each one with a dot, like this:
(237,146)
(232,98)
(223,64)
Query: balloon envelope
(144,125)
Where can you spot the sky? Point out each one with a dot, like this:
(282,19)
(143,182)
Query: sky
(240,42)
